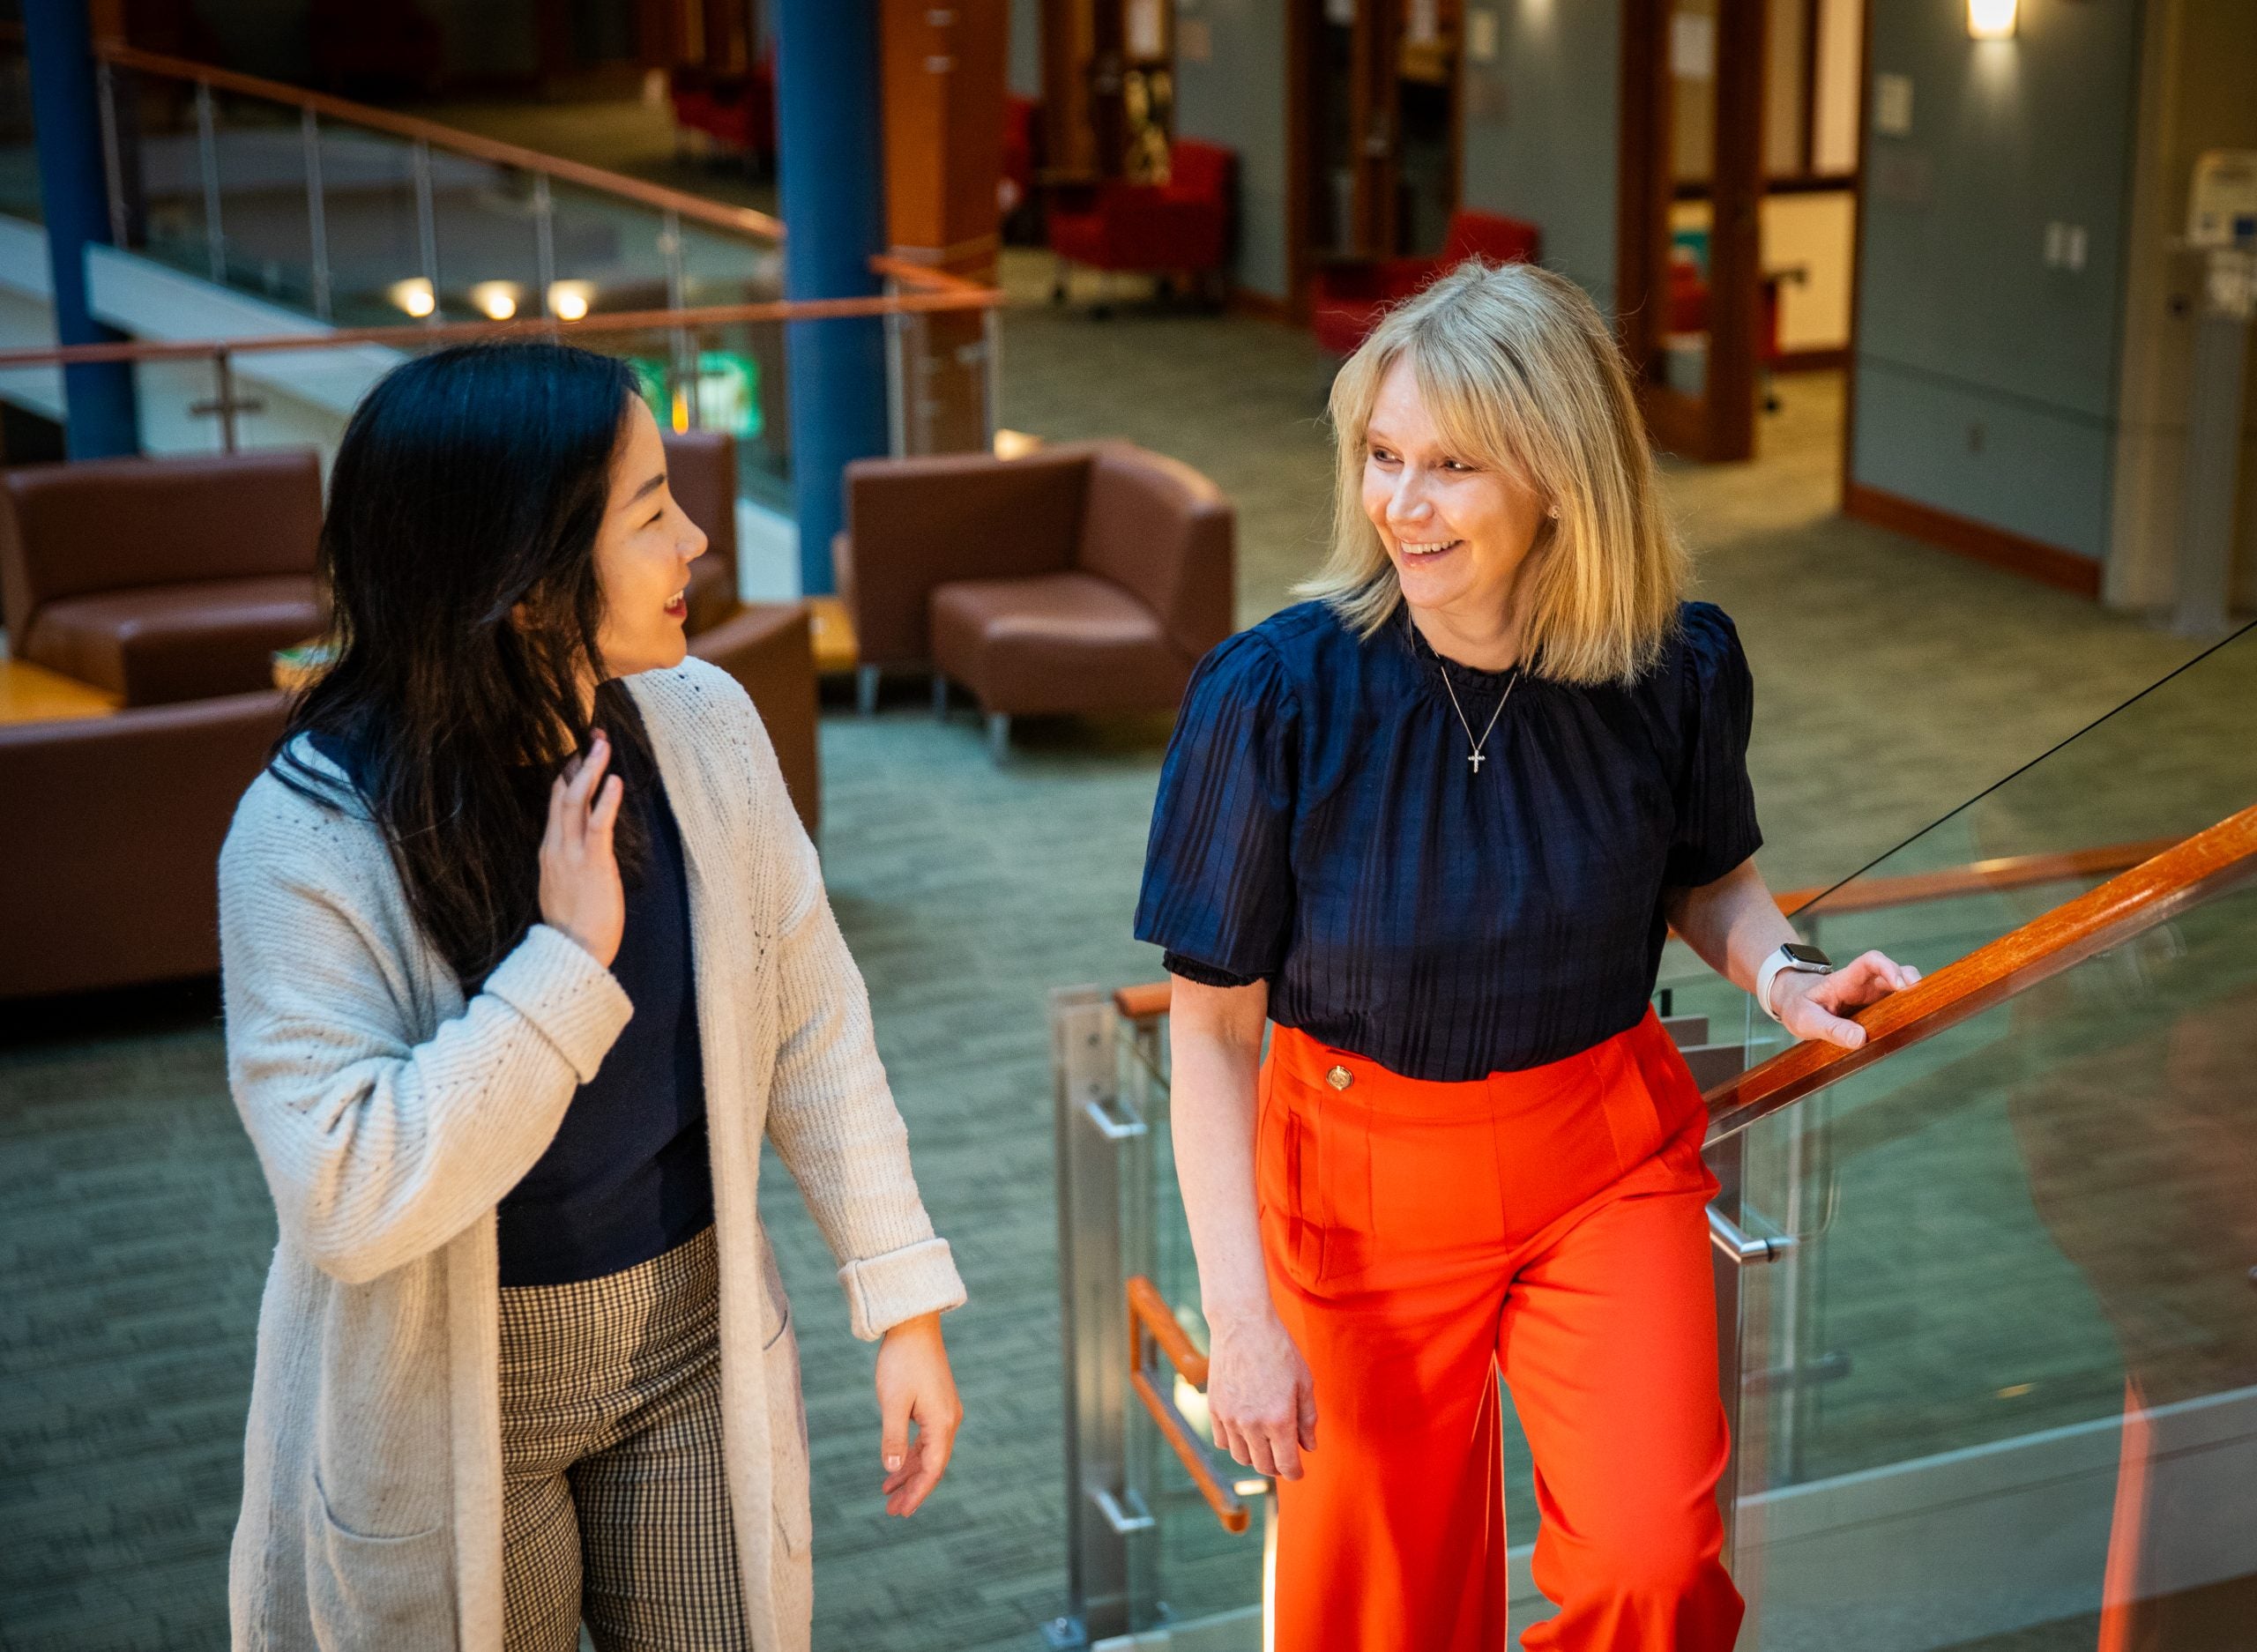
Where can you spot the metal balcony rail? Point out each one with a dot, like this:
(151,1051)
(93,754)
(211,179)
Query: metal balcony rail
(1112,1119)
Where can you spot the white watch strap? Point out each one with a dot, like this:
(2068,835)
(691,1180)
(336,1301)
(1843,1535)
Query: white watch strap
(1766,972)
(1769,971)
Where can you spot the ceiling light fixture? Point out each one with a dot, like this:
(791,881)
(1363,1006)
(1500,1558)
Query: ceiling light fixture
(415,297)
(568,300)
(496,300)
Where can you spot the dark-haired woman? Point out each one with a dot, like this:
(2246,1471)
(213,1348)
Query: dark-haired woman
(524,954)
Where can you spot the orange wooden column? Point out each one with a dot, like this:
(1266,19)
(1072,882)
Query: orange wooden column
(943,68)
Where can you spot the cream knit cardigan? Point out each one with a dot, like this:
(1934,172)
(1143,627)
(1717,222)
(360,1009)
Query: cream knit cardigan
(390,1117)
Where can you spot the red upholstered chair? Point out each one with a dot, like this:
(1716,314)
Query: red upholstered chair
(1347,296)
(1088,578)
(162,580)
(1180,228)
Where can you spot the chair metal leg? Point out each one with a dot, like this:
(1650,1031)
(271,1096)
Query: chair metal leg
(998,735)
(940,695)
(866,690)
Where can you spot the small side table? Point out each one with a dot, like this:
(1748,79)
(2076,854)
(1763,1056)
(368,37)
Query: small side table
(33,694)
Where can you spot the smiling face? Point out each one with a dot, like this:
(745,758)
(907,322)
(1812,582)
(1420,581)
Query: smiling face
(643,556)
(1457,529)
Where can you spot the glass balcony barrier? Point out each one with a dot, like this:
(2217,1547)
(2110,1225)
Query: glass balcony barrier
(2003,1250)
(2000,1364)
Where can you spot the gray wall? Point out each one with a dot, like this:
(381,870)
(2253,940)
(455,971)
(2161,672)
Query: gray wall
(1987,381)
(1237,97)
(1540,129)
(1025,72)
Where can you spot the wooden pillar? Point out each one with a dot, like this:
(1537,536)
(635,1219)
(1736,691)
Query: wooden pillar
(943,80)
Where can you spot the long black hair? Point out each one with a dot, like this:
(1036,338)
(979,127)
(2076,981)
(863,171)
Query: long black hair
(469,481)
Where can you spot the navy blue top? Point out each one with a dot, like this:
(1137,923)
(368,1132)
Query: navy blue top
(1318,827)
(627,1176)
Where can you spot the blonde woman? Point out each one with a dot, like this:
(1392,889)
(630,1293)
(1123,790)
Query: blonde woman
(1433,825)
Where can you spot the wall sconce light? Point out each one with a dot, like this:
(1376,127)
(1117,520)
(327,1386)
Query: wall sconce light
(1991,19)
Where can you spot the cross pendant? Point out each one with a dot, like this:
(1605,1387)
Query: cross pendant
(1476,761)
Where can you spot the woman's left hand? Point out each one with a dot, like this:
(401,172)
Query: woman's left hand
(1816,1006)
(915,1385)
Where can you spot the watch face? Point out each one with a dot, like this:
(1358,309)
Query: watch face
(1802,954)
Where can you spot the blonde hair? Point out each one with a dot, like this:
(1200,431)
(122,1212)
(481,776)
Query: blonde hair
(1520,373)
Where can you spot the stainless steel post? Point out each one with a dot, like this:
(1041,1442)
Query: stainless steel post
(112,156)
(544,239)
(316,217)
(1097,1145)
(684,351)
(896,377)
(991,365)
(427,224)
(208,155)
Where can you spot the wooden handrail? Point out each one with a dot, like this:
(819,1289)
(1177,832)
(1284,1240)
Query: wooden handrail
(968,296)
(1151,1320)
(2129,904)
(741,220)
(1148,1001)
(2006,872)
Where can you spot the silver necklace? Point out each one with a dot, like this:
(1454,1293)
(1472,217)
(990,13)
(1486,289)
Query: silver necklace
(1475,760)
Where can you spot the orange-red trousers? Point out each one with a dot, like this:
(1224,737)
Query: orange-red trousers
(1548,1222)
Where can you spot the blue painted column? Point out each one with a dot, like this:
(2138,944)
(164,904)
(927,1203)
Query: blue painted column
(830,168)
(74,199)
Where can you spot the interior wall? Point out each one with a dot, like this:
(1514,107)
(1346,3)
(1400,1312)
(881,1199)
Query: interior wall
(1812,233)
(1230,89)
(484,40)
(1025,69)
(1540,135)
(1985,375)
(1836,82)
(2199,57)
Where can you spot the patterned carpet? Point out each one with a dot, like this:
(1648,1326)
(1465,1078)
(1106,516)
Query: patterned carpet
(1894,680)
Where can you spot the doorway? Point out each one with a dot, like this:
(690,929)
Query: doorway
(1736,242)
(1376,113)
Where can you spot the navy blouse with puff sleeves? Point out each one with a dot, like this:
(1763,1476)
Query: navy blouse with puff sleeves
(1318,826)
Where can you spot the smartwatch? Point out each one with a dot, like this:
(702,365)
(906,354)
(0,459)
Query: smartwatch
(1793,958)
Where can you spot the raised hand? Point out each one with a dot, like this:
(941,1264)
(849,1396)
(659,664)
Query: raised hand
(580,893)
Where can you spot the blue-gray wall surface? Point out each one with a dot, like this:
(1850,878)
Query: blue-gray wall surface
(1025,73)
(1986,380)
(1237,98)
(1540,136)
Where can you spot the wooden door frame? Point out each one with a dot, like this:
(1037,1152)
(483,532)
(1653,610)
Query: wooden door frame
(1720,425)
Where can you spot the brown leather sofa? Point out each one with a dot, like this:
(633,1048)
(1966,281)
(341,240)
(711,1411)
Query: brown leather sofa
(109,836)
(1086,579)
(162,580)
(767,646)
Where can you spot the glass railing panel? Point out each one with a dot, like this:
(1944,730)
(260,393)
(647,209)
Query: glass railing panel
(373,228)
(2009,1383)
(2002,1232)
(1195,1573)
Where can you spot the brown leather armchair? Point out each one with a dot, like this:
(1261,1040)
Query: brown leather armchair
(1087,578)
(111,838)
(767,646)
(162,580)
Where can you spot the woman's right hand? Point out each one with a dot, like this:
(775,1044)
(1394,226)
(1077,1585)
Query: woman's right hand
(580,893)
(1260,1395)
